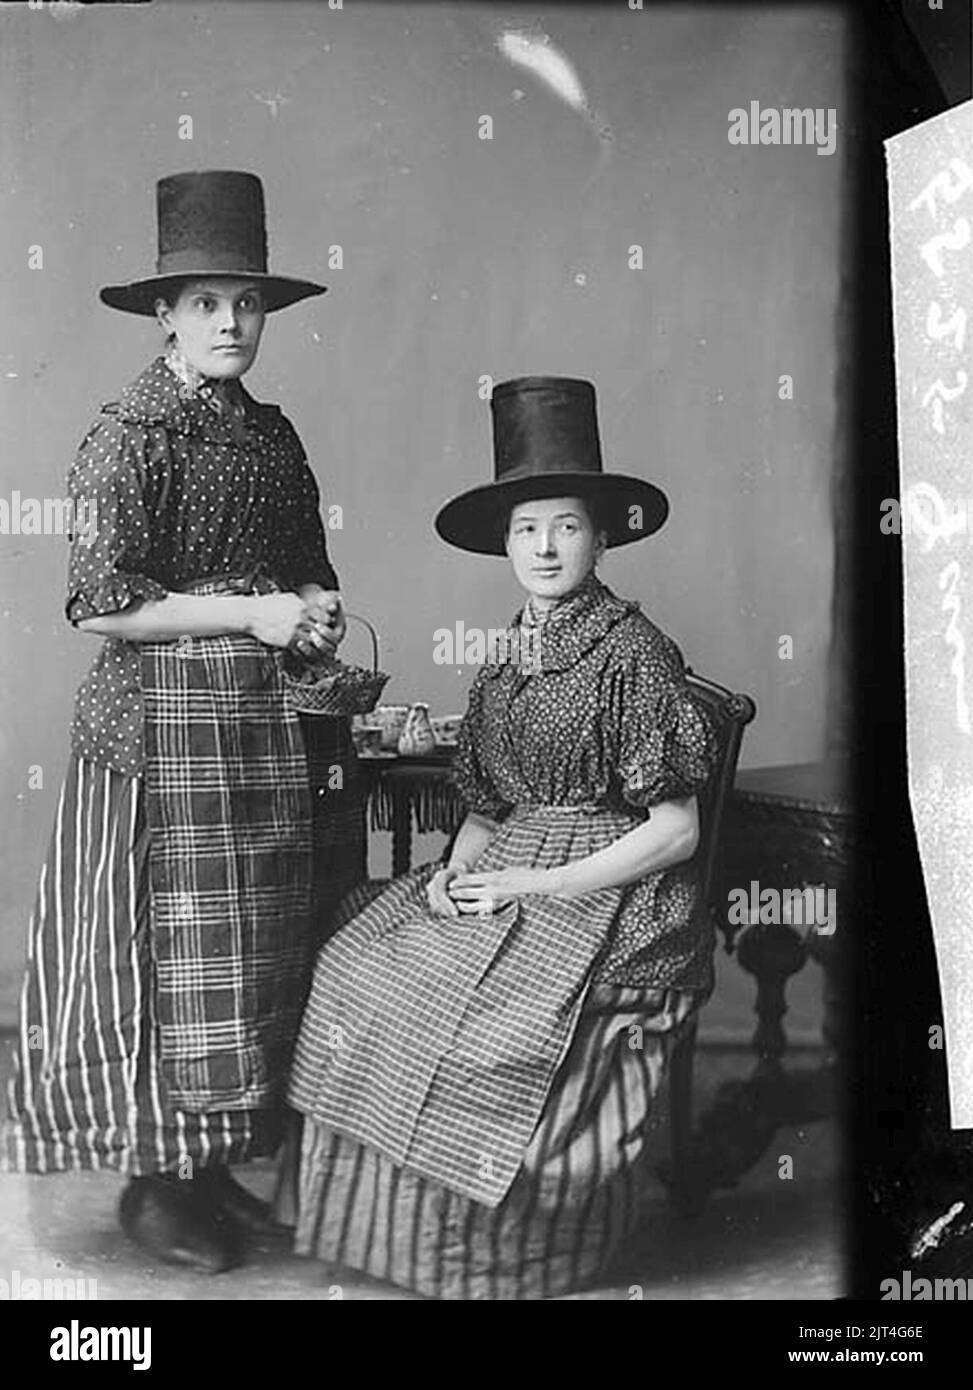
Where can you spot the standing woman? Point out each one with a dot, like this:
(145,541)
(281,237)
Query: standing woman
(169,948)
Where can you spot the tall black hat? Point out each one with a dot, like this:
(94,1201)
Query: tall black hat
(210,223)
(546,444)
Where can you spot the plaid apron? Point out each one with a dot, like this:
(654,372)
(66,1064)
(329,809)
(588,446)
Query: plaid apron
(436,1041)
(228,809)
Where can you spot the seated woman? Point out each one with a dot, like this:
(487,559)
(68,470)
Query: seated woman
(484,1041)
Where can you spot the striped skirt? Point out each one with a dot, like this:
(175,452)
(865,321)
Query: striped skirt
(86,1091)
(572,1205)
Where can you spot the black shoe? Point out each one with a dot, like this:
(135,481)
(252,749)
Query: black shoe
(225,1196)
(166,1217)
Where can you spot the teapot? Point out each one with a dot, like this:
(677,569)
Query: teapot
(417,737)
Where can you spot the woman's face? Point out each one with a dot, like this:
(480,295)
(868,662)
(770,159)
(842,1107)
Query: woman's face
(553,547)
(217,324)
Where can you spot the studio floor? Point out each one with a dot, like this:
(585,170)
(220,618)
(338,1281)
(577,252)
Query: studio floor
(771,1237)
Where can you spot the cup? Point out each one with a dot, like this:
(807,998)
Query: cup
(391,720)
(367,739)
(446,729)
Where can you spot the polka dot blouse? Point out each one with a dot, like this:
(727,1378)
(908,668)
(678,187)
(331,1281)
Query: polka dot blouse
(606,722)
(179,488)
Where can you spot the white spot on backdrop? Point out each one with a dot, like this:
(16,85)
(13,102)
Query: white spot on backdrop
(547,63)
(536,53)
(273,102)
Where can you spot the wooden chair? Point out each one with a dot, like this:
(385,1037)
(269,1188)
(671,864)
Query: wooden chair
(730,713)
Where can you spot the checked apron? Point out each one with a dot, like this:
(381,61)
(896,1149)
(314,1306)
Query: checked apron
(436,1041)
(228,810)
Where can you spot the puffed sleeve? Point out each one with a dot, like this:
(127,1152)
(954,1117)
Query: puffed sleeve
(302,548)
(111,537)
(667,745)
(470,777)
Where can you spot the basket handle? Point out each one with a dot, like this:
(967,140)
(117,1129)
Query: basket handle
(372,634)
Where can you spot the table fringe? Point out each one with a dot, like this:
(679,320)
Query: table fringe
(436,805)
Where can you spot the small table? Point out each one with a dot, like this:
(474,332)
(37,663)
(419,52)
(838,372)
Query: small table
(403,791)
(790,827)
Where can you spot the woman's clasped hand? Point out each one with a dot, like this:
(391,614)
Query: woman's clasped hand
(313,623)
(453,891)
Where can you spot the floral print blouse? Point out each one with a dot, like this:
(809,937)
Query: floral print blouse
(604,720)
(183,480)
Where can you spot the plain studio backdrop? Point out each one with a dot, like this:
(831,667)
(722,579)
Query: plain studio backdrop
(461,258)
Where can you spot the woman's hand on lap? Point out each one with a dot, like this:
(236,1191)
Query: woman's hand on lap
(489,892)
(437,892)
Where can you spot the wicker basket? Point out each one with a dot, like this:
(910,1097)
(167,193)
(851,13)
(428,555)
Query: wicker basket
(336,689)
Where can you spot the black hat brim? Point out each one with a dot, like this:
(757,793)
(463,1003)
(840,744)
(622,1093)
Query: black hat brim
(475,520)
(139,296)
